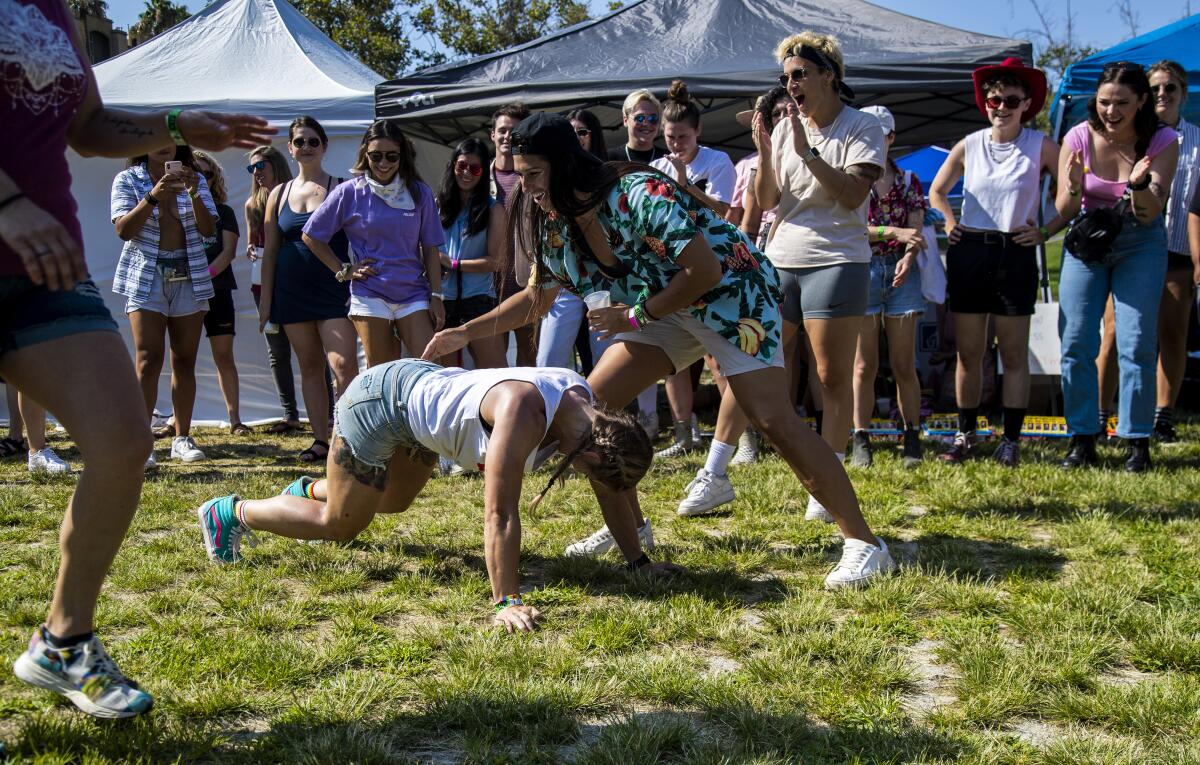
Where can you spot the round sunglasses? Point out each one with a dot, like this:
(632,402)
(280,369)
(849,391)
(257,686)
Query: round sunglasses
(379,156)
(1008,102)
(796,75)
(1167,87)
(299,142)
(645,119)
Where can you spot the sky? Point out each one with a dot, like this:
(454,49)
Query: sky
(1097,22)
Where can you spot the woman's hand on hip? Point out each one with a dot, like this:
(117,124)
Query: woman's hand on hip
(51,257)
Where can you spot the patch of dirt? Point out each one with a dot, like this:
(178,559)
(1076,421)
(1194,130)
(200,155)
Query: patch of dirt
(1125,676)
(933,679)
(1037,732)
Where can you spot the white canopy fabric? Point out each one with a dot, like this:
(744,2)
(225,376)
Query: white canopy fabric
(257,56)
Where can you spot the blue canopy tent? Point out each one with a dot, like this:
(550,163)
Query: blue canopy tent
(1177,42)
(925,163)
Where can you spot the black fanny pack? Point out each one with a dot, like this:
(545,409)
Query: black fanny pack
(1092,233)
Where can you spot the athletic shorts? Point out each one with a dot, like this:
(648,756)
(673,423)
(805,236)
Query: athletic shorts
(824,292)
(31,314)
(987,272)
(685,339)
(371,417)
(220,317)
(459,312)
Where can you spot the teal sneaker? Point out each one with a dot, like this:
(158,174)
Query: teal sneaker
(298,487)
(221,529)
(83,673)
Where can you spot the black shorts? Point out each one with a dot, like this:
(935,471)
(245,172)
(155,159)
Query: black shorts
(220,317)
(1177,261)
(986,272)
(459,312)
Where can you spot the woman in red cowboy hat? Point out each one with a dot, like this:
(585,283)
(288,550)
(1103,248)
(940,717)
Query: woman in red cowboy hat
(991,266)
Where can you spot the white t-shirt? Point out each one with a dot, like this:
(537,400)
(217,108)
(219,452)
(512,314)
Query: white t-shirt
(710,170)
(811,228)
(443,408)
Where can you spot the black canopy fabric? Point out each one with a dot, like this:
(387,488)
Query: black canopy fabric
(724,50)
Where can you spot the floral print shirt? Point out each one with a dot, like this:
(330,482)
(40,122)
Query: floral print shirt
(893,210)
(649,223)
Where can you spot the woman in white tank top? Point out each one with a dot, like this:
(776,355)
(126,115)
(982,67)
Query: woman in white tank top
(397,417)
(991,265)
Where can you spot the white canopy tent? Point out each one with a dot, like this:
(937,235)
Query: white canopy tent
(257,56)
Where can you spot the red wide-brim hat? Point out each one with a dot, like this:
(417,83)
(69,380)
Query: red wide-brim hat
(1034,80)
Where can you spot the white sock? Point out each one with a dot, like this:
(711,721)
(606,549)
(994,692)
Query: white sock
(719,455)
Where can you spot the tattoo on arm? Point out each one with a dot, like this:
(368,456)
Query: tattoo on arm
(126,126)
(871,172)
(367,475)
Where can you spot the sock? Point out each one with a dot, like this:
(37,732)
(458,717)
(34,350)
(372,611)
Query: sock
(239,509)
(1013,418)
(968,420)
(819,416)
(54,641)
(719,455)
(1164,414)
(683,431)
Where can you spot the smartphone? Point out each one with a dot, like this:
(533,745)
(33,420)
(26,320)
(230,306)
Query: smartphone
(173,166)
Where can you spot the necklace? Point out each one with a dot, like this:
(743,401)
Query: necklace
(1000,152)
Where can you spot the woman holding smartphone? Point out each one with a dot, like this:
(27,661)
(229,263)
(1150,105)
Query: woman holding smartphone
(163,212)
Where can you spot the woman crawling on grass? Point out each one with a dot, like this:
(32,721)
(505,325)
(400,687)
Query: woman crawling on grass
(396,418)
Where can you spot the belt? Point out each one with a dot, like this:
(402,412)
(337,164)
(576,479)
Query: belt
(990,237)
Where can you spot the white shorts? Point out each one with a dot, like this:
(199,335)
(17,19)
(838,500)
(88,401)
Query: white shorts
(362,307)
(685,339)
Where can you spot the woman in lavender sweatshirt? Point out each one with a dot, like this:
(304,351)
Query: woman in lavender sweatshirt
(392,222)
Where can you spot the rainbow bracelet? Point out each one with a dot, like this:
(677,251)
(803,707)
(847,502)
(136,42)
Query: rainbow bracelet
(509,600)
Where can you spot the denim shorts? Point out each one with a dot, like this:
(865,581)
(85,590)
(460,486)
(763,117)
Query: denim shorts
(371,416)
(894,301)
(169,297)
(31,314)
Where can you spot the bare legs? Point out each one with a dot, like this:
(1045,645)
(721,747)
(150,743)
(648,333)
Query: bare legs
(150,330)
(227,375)
(316,344)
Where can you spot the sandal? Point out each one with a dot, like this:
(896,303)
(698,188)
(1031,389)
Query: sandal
(318,451)
(166,431)
(11,446)
(283,426)
(240,429)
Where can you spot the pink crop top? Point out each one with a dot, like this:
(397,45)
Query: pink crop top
(1097,192)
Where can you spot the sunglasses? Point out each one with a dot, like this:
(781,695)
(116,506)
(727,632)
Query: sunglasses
(300,142)
(796,75)
(1122,65)
(259,165)
(1168,87)
(583,132)
(473,168)
(379,156)
(1008,102)
(645,119)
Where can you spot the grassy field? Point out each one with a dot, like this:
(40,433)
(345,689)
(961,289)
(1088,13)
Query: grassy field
(1038,617)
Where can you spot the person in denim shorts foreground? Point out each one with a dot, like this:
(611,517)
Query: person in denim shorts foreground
(398,417)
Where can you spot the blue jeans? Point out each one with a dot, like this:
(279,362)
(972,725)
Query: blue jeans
(1133,272)
(560,325)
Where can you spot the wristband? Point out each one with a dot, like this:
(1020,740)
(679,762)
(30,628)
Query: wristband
(508,600)
(212,272)
(633,322)
(1140,186)
(639,312)
(453,264)
(645,316)
(173,127)
(151,199)
(1045,232)
(880,232)
(641,562)
(10,199)
(438,295)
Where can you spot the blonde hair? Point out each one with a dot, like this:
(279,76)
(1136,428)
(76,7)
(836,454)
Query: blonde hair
(636,97)
(826,44)
(257,205)
(216,186)
(1173,69)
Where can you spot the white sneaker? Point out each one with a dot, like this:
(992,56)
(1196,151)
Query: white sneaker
(151,461)
(817,512)
(46,461)
(706,493)
(184,449)
(861,561)
(649,421)
(602,541)
(747,451)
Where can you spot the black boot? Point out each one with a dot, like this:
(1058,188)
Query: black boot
(912,448)
(860,449)
(1138,456)
(1081,453)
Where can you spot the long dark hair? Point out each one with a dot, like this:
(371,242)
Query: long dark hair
(182,154)
(408,156)
(592,122)
(305,121)
(1132,76)
(449,200)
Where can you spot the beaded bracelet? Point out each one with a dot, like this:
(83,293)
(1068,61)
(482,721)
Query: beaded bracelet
(508,600)
(173,127)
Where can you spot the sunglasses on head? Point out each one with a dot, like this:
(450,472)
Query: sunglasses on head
(1111,65)
(259,165)
(796,75)
(1008,102)
(379,156)
(299,142)
(474,168)
(1167,87)
(645,119)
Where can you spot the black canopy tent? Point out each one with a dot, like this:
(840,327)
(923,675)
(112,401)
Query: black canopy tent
(724,50)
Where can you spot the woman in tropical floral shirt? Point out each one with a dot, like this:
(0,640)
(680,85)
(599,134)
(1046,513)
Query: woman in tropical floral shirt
(683,282)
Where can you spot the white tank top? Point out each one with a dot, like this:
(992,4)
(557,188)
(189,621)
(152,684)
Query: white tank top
(1000,181)
(443,408)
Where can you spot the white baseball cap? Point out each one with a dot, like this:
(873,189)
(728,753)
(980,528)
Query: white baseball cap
(884,116)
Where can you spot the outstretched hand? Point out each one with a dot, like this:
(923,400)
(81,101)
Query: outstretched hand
(444,343)
(216,131)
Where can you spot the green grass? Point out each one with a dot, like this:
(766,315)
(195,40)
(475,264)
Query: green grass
(1040,617)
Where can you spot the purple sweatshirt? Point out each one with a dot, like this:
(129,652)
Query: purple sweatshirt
(393,238)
